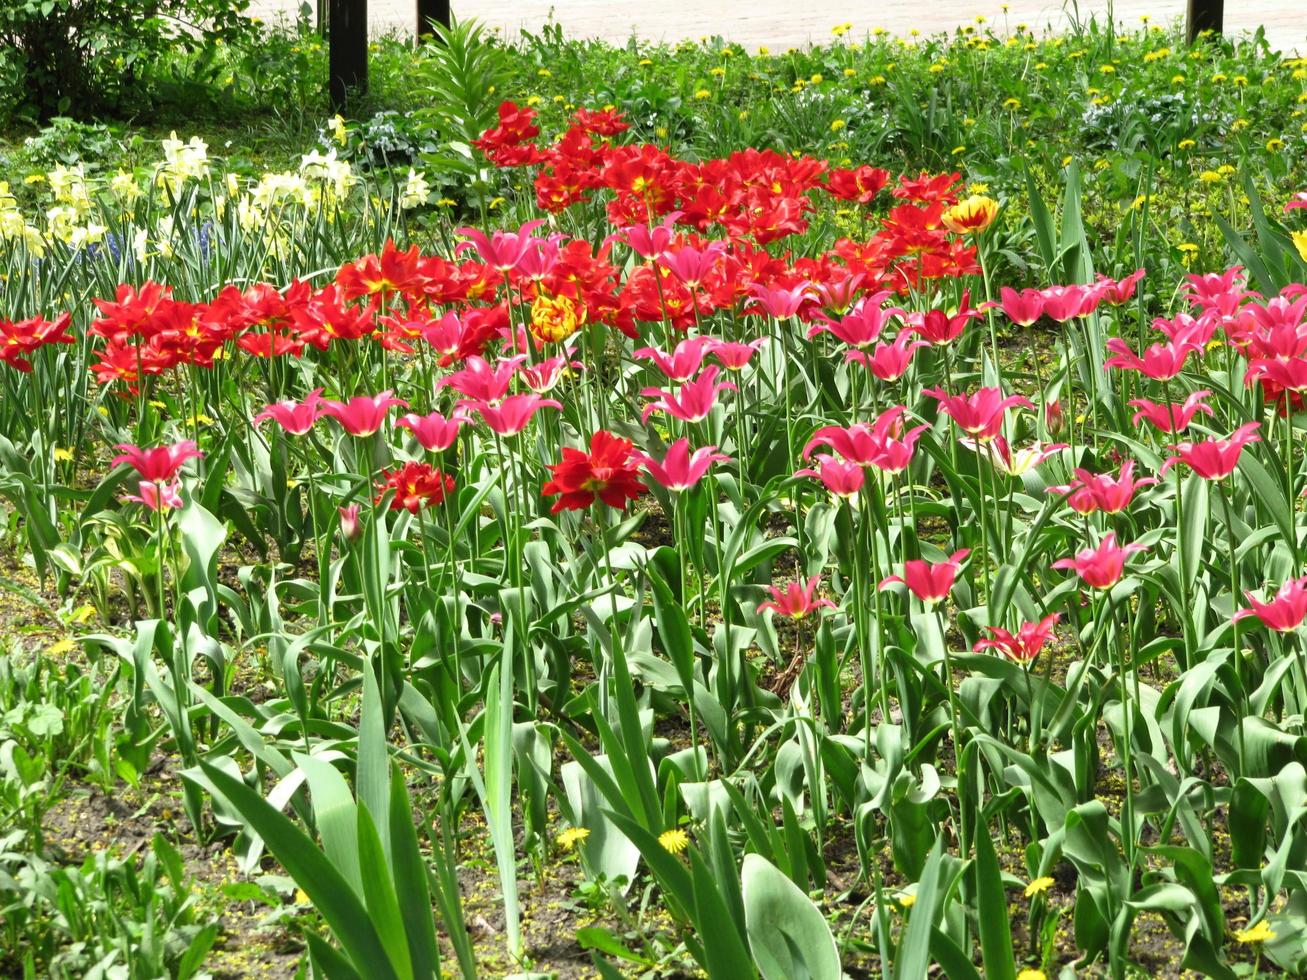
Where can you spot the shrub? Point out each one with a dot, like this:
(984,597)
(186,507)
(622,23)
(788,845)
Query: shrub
(82,57)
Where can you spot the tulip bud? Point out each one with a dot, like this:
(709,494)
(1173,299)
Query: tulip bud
(1054,420)
(349,522)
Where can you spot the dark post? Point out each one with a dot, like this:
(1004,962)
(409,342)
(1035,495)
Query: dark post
(432,10)
(347,50)
(1205,15)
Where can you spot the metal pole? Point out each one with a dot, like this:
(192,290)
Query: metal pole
(1205,15)
(432,10)
(347,50)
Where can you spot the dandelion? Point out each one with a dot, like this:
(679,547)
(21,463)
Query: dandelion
(674,841)
(1031,975)
(906,900)
(1260,933)
(572,836)
(1038,886)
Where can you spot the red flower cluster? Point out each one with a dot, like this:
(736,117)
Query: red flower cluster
(415,486)
(20,340)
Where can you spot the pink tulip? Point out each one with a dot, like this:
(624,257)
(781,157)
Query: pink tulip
(1283,613)
(504,249)
(692,265)
(1100,567)
(545,375)
(881,445)
(735,355)
(940,327)
(1117,292)
(680,469)
(863,326)
(692,402)
(681,364)
(843,479)
(889,362)
(1161,362)
(511,415)
(350,528)
(1214,459)
(1063,303)
(1025,646)
(433,432)
(1171,418)
(929,582)
(1022,308)
(779,302)
(362,415)
(796,600)
(296,418)
(156,496)
(1091,492)
(157,465)
(479,380)
(980,414)
(647,242)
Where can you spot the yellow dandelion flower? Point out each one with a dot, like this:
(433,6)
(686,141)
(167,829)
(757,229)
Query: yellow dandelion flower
(1038,886)
(836,125)
(703,93)
(1274,145)
(65,645)
(1260,933)
(62,455)
(1300,243)
(674,841)
(572,836)
(1186,144)
(906,899)
(1031,975)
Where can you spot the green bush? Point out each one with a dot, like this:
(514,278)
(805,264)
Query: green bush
(83,57)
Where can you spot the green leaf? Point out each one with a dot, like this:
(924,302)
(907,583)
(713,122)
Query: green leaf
(995,929)
(788,935)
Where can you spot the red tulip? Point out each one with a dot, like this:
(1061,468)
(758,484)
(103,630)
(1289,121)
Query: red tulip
(1100,567)
(156,496)
(1283,613)
(1022,308)
(929,582)
(680,469)
(1171,418)
(1298,200)
(606,473)
(157,465)
(296,418)
(692,402)
(843,479)
(1214,459)
(1054,418)
(416,486)
(1024,647)
(433,432)
(980,414)
(1090,492)
(362,415)
(511,415)
(796,600)
(21,339)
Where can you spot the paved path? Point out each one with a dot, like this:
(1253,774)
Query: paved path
(786,23)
